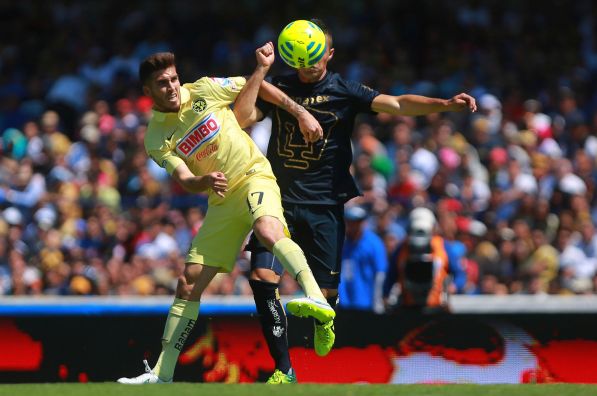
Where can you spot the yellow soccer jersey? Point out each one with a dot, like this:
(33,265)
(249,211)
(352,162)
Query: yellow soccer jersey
(204,133)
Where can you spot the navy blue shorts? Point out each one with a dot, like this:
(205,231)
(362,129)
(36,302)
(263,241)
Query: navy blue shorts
(319,230)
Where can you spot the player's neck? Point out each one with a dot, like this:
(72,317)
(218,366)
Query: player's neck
(314,79)
(165,110)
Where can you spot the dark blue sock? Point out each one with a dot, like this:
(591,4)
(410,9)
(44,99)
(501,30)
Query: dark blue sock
(273,322)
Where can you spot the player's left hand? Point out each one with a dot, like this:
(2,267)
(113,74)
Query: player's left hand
(217,182)
(310,127)
(464,101)
(265,55)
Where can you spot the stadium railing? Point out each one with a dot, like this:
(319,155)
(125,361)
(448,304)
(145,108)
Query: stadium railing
(244,305)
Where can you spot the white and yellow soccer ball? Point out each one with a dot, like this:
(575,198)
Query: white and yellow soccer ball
(301,44)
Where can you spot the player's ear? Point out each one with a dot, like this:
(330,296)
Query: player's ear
(146,90)
(331,54)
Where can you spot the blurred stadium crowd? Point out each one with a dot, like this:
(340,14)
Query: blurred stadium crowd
(83,210)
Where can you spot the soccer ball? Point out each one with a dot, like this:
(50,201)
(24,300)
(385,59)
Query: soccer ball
(301,44)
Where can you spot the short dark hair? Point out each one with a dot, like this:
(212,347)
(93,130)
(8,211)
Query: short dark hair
(325,29)
(153,63)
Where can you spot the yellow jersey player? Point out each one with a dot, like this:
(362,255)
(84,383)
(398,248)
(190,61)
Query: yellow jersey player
(196,137)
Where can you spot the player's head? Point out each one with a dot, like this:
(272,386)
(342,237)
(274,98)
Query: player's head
(354,217)
(160,81)
(318,70)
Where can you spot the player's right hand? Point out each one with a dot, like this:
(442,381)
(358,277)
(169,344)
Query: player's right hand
(217,182)
(309,127)
(265,54)
(464,101)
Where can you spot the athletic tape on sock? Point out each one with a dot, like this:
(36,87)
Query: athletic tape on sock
(185,308)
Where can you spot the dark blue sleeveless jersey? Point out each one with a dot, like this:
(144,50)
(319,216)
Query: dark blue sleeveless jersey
(316,173)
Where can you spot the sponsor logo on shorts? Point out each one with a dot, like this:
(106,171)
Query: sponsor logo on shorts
(198,136)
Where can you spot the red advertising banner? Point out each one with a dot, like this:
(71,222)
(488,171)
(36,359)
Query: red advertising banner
(369,349)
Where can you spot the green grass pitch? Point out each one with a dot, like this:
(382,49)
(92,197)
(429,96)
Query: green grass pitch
(197,389)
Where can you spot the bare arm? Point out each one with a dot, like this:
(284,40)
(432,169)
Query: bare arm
(244,105)
(413,105)
(272,94)
(378,303)
(195,184)
(308,125)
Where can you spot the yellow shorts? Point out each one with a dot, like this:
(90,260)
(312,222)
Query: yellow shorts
(226,224)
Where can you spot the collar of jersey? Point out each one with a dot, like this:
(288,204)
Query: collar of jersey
(185,96)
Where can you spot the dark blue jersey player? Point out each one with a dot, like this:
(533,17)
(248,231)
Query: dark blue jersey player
(317,173)
(312,170)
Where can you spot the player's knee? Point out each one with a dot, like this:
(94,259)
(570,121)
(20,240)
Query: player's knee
(329,293)
(268,230)
(264,275)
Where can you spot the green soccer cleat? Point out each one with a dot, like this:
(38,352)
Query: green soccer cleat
(307,307)
(279,377)
(324,338)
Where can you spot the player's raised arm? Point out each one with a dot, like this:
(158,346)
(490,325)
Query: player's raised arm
(309,126)
(413,105)
(244,105)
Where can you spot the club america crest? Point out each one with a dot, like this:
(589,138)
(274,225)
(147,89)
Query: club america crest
(199,105)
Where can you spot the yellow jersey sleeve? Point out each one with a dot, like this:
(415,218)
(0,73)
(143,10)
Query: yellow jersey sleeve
(221,89)
(161,150)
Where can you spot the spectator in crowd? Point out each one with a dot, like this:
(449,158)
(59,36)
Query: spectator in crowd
(78,122)
(364,264)
(577,270)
